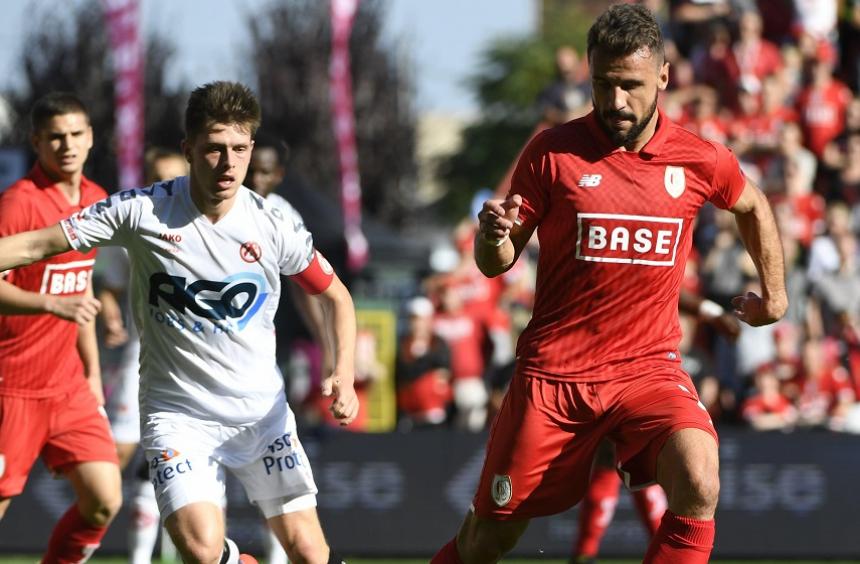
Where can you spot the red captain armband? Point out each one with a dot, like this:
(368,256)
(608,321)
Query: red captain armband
(317,277)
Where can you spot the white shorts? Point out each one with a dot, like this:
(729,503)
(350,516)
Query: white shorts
(187,458)
(122,404)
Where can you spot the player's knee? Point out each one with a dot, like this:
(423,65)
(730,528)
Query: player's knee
(705,487)
(101,508)
(200,549)
(700,490)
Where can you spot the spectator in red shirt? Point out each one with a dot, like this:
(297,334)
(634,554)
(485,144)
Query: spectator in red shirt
(767,409)
(465,337)
(423,370)
(823,102)
(824,393)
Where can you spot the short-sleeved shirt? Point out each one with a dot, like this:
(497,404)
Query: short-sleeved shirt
(615,228)
(38,353)
(203,295)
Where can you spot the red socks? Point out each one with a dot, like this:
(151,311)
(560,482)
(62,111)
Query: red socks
(651,504)
(596,510)
(681,539)
(74,539)
(448,554)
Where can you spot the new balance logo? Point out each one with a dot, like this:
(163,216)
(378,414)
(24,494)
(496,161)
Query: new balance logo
(590,180)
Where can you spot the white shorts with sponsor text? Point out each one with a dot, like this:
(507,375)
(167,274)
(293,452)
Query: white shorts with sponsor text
(187,458)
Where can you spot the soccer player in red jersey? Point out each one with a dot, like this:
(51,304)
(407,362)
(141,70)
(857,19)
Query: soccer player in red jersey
(50,381)
(613,196)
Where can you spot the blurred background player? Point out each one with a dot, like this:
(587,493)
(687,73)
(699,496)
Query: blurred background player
(50,379)
(121,384)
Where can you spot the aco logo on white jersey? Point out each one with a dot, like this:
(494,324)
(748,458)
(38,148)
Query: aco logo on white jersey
(236,299)
(589,180)
(66,277)
(628,239)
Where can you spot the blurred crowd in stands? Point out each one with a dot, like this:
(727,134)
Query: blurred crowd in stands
(776,81)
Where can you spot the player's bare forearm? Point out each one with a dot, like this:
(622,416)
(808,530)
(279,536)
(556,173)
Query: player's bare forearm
(88,350)
(493,259)
(16,301)
(760,236)
(339,315)
(26,248)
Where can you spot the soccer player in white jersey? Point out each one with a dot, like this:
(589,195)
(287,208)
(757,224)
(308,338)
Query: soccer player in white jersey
(206,256)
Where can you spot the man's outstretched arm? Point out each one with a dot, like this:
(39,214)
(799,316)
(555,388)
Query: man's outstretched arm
(339,315)
(28,247)
(760,236)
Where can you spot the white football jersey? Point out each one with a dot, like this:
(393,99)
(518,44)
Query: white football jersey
(203,295)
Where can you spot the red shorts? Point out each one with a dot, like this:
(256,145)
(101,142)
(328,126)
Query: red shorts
(544,439)
(65,429)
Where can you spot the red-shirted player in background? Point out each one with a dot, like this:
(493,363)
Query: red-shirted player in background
(50,381)
(613,196)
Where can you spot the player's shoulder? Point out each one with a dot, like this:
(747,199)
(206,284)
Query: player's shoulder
(91,192)
(24,188)
(274,208)
(683,144)
(573,135)
(150,197)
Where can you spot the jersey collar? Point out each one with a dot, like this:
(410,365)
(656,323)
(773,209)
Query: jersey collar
(651,149)
(43,182)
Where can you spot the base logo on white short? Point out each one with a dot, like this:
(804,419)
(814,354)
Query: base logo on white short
(501,490)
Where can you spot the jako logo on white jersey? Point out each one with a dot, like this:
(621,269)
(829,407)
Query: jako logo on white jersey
(236,298)
(67,277)
(630,239)
(590,180)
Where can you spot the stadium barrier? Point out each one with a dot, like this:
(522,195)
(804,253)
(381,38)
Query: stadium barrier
(398,495)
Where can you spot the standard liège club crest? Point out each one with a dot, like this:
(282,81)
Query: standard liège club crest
(675,181)
(501,490)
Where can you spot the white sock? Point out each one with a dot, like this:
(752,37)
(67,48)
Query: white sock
(274,551)
(231,552)
(144,525)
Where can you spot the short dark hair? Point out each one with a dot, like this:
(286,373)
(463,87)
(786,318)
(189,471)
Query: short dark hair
(266,139)
(623,29)
(55,104)
(221,102)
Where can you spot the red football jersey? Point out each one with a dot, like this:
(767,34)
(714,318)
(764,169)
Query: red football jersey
(38,353)
(615,228)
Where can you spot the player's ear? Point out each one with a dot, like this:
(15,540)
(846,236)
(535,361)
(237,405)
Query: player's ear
(663,76)
(186,149)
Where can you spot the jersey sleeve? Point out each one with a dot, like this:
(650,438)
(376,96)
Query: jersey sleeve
(103,223)
(728,181)
(299,260)
(530,180)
